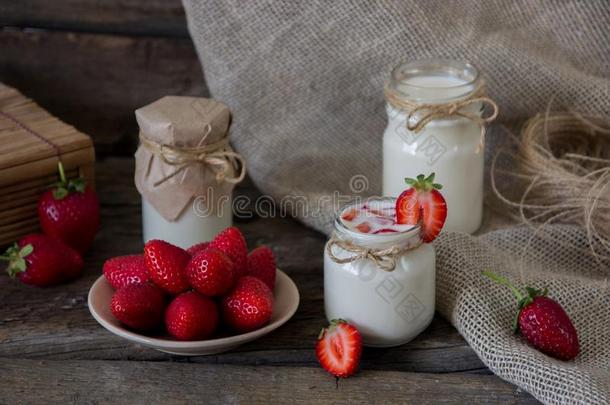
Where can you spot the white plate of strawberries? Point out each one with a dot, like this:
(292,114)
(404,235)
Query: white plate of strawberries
(207,299)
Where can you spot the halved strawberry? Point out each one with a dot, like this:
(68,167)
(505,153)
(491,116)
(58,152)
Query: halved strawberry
(339,348)
(422,203)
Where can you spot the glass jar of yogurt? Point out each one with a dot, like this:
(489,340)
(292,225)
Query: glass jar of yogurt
(449,144)
(390,299)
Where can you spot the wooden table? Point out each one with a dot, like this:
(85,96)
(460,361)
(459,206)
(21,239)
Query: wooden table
(53,351)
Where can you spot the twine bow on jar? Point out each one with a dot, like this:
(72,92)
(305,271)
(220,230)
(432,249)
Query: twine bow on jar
(219,156)
(385,259)
(419,115)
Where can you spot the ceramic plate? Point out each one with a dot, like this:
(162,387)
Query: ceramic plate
(285,305)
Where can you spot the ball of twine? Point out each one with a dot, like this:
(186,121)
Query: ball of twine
(563,160)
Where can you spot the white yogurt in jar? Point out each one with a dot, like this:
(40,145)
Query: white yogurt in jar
(389,308)
(448,147)
(194,225)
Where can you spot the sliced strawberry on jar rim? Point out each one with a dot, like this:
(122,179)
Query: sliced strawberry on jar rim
(422,204)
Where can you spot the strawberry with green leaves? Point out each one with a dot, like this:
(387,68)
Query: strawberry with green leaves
(542,321)
(42,261)
(423,204)
(70,212)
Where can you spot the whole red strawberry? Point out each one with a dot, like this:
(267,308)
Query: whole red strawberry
(199,247)
(42,261)
(70,212)
(339,348)
(166,265)
(543,322)
(139,306)
(211,273)
(232,243)
(261,264)
(248,306)
(191,316)
(123,270)
(422,204)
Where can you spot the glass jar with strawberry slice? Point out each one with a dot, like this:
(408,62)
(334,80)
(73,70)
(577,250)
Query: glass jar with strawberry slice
(379,267)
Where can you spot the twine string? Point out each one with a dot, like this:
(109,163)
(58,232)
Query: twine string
(29,130)
(385,259)
(218,156)
(562,160)
(419,115)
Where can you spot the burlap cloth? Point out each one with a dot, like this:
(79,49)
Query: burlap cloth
(305,82)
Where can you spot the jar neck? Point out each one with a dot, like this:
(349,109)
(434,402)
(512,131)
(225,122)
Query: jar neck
(434,81)
(410,237)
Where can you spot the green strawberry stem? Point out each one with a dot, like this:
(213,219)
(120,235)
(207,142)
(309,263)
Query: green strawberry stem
(65,186)
(16,258)
(522,300)
(62,173)
(423,183)
(504,281)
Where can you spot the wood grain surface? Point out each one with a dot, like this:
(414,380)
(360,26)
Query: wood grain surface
(136,17)
(96,81)
(49,340)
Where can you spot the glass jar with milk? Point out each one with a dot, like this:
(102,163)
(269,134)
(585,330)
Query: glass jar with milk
(436,124)
(186,169)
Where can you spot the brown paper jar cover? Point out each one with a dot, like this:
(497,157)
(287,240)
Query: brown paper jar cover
(180,122)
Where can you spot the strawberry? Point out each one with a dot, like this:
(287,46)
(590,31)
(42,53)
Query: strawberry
(422,204)
(339,347)
(166,263)
(191,316)
(139,306)
(123,270)
(42,261)
(542,321)
(232,243)
(199,247)
(364,227)
(349,215)
(211,273)
(70,212)
(248,306)
(261,264)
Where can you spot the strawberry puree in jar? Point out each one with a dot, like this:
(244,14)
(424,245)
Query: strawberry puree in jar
(389,308)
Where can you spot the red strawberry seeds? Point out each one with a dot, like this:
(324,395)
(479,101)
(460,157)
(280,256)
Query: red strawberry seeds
(123,270)
(139,306)
(166,265)
(199,247)
(249,306)
(191,316)
(210,272)
(261,264)
(543,322)
(232,243)
(70,212)
(339,348)
(422,204)
(42,261)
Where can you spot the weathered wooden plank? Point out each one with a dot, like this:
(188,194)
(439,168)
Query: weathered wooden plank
(95,82)
(55,323)
(154,17)
(154,382)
